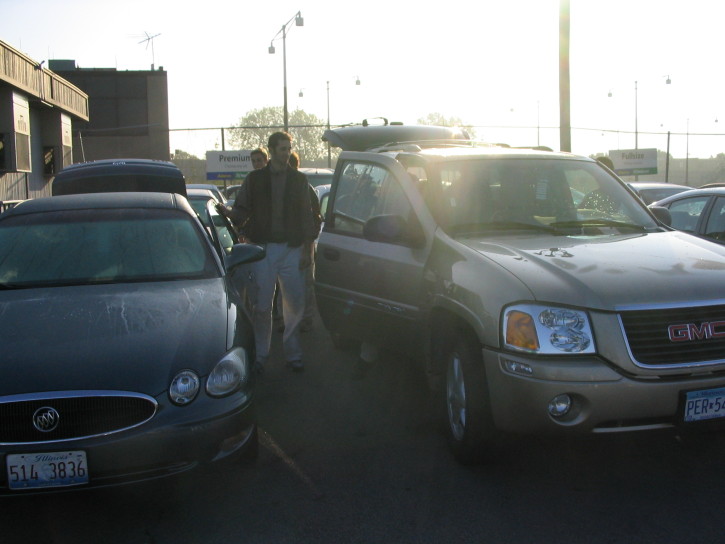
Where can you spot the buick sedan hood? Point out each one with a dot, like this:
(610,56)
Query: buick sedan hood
(131,337)
(611,272)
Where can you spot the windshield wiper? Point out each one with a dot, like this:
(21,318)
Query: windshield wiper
(8,286)
(468,228)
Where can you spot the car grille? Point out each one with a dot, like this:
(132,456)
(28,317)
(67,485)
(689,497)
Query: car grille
(78,416)
(647,333)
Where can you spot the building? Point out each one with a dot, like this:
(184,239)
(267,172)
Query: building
(38,109)
(128,110)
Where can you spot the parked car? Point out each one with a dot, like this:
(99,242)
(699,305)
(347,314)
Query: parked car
(111,175)
(318,176)
(231,194)
(218,195)
(219,227)
(650,191)
(700,212)
(527,312)
(125,350)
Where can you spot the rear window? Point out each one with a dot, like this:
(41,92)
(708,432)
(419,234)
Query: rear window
(113,179)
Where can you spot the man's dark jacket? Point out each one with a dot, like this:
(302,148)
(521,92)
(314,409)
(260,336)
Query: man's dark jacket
(300,224)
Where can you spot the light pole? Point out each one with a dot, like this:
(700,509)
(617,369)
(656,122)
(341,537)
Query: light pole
(329,153)
(668,81)
(687,154)
(299,21)
(636,128)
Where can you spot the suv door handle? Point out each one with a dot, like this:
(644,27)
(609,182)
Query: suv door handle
(331,254)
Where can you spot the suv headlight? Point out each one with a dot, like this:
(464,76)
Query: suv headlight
(547,330)
(228,374)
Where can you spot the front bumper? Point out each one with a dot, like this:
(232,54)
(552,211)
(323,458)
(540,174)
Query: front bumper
(175,440)
(604,400)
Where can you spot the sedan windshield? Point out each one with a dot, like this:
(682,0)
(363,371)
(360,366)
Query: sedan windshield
(560,196)
(102,246)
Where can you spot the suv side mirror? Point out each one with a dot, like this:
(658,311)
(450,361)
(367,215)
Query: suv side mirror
(663,215)
(392,229)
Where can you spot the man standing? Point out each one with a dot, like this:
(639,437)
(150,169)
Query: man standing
(273,208)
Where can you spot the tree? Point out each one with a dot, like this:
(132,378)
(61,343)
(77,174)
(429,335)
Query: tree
(180,154)
(306,128)
(440,120)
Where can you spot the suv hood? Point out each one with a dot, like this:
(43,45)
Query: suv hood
(611,272)
(127,337)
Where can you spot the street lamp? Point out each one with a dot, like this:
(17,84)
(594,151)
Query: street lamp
(668,81)
(329,152)
(687,154)
(299,21)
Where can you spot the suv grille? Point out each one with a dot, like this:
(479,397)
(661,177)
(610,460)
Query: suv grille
(648,335)
(78,416)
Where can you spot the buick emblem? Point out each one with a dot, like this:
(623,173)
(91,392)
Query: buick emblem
(46,419)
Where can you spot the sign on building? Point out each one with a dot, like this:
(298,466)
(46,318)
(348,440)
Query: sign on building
(229,167)
(634,162)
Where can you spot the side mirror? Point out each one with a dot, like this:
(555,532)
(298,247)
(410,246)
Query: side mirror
(243,254)
(663,215)
(393,229)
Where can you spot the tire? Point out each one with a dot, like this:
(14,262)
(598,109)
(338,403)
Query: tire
(467,407)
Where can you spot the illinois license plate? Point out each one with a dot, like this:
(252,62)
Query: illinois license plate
(50,469)
(704,405)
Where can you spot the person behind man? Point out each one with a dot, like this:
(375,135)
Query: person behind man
(259,158)
(273,208)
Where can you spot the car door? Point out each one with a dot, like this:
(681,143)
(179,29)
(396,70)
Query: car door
(686,213)
(366,289)
(223,234)
(715,225)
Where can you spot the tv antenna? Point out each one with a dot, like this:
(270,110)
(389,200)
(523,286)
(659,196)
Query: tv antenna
(149,39)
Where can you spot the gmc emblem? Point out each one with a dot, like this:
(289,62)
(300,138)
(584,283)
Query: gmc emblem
(689,332)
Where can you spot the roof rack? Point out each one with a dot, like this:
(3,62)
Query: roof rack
(418,145)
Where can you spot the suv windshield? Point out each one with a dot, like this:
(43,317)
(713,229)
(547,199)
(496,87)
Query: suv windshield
(564,196)
(101,246)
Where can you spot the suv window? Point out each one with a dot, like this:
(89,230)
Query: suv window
(365,191)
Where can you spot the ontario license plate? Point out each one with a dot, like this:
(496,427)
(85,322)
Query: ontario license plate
(50,469)
(704,405)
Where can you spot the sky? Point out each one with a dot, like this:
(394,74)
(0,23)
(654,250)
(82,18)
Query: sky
(492,64)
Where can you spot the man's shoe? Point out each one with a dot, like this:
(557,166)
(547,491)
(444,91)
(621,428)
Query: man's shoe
(297,366)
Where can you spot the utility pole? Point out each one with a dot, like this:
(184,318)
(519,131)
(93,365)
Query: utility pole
(564,88)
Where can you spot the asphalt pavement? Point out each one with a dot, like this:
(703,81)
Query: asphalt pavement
(365,461)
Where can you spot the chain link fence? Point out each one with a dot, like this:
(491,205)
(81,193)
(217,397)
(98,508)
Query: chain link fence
(189,147)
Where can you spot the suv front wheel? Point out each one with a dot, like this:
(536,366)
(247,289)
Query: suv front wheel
(469,427)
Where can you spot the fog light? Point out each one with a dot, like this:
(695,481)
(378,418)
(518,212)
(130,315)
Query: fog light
(518,368)
(560,405)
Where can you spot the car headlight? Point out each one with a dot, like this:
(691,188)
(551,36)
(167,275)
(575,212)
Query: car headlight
(184,387)
(547,330)
(228,374)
